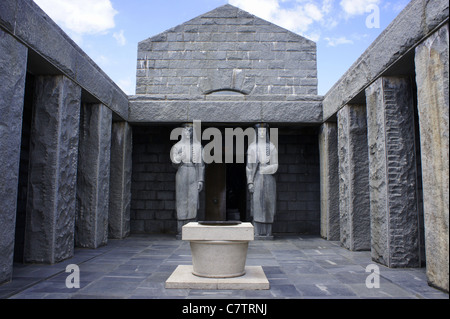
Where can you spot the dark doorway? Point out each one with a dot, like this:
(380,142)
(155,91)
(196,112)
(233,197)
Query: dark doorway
(225,192)
(23,170)
(236,192)
(215,191)
(226,185)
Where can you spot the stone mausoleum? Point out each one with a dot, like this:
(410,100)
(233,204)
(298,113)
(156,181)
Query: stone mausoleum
(366,164)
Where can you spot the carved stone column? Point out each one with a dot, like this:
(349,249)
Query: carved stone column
(329,181)
(393,178)
(354,207)
(49,232)
(91,227)
(13,65)
(432,93)
(120,180)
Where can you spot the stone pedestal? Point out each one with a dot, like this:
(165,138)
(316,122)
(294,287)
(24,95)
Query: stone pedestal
(91,227)
(329,182)
(431,62)
(120,181)
(49,235)
(253,279)
(354,206)
(13,60)
(218,259)
(218,251)
(392,173)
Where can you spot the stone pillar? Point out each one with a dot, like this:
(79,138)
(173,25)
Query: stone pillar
(91,226)
(13,65)
(120,180)
(432,92)
(354,207)
(329,182)
(49,230)
(394,209)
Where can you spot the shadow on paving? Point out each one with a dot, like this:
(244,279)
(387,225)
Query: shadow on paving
(296,267)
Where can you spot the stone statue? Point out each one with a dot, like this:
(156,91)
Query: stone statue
(262,163)
(186,155)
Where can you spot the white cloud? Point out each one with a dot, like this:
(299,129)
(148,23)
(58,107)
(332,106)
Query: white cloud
(298,17)
(313,11)
(327,6)
(80,16)
(120,38)
(332,42)
(310,17)
(357,7)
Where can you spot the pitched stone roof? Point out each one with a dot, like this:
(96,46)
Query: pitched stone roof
(229,15)
(226,49)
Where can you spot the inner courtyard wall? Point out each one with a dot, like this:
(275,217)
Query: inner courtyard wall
(153,182)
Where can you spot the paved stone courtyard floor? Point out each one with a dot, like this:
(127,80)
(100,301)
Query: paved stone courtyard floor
(296,267)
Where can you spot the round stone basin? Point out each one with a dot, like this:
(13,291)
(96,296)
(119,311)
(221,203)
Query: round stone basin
(218,251)
(219,259)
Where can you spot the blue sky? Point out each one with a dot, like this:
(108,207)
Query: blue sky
(109,30)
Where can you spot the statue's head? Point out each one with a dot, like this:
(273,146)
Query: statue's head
(188,130)
(262,130)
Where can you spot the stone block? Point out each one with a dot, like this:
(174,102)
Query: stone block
(13,63)
(224,111)
(165,195)
(183,278)
(143,214)
(51,200)
(193,232)
(120,180)
(7,15)
(137,226)
(155,111)
(431,62)
(392,173)
(329,181)
(354,208)
(91,226)
(298,111)
(153,226)
(164,214)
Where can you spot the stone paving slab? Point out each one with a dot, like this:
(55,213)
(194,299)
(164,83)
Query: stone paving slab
(297,267)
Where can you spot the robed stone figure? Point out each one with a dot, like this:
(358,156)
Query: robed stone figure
(262,163)
(186,155)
